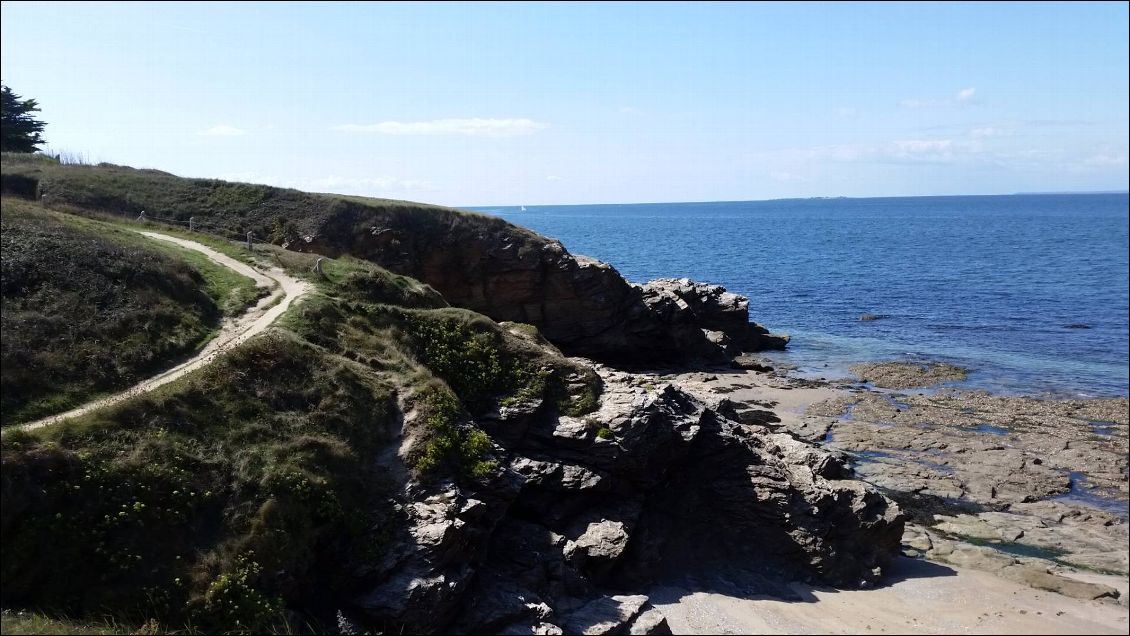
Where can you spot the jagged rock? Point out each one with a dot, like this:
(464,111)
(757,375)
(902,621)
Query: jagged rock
(1040,578)
(679,489)
(523,629)
(616,615)
(751,363)
(723,315)
(649,622)
(602,541)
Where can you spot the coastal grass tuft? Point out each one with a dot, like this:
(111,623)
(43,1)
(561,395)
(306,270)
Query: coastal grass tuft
(89,308)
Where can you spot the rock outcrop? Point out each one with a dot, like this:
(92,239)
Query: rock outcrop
(582,305)
(653,484)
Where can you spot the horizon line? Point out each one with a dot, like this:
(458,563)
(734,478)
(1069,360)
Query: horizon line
(812,198)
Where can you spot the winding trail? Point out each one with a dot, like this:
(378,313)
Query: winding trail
(285,290)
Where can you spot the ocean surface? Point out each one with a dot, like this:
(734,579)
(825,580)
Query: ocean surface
(1029,291)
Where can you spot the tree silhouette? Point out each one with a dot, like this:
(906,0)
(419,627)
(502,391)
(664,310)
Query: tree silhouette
(19,130)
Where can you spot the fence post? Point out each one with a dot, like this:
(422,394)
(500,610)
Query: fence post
(318,267)
(249,247)
(191,224)
(141,217)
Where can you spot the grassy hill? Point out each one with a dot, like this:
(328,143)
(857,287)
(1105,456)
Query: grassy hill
(253,495)
(228,209)
(91,307)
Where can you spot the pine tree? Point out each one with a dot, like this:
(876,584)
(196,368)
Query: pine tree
(19,130)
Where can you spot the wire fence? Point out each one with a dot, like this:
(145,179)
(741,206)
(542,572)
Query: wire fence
(193,225)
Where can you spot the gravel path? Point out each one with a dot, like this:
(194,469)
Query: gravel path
(233,332)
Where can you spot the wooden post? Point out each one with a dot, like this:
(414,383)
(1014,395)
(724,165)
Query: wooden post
(141,217)
(191,224)
(318,267)
(249,247)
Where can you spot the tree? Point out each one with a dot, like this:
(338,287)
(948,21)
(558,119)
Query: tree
(19,130)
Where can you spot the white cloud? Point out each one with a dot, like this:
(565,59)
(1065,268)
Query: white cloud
(988,131)
(553,177)
(1107,161)
(222,131)
(897,151)
(964,96)
(472,127)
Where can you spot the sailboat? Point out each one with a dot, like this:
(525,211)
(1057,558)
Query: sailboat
(523,208)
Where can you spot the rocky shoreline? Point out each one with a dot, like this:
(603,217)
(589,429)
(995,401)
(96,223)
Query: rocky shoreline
(1032,490)
(743,484)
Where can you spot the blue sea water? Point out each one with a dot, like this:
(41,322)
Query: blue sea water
(989,282)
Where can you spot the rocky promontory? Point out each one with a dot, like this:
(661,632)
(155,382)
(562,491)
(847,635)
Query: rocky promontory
(582,305)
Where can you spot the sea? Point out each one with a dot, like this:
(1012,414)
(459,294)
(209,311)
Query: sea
(1028,291)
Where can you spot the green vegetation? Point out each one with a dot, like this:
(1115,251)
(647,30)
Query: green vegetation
(89,308)
(34,623)
(19,129)
(464,449)
(207,501)
(253,494)
(605,433)
(221,208)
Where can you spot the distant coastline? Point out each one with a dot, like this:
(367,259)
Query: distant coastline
(508,207)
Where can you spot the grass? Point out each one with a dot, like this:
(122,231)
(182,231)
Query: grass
(22,622)
(90,308)
(224,209)
(203,502)
(254,490)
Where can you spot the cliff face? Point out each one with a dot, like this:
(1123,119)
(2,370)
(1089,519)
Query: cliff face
(653,484)
(583,305)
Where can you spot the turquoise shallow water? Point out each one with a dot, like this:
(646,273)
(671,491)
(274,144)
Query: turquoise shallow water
(997,283)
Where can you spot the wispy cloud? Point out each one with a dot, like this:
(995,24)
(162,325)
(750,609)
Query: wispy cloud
(471,127)
(983,132)
(897,151)
(222,131)
(963,97)
(1107,161)
(553,177)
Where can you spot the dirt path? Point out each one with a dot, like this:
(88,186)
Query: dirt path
(233,332)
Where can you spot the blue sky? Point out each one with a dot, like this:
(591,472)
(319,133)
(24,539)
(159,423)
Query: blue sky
(512,103)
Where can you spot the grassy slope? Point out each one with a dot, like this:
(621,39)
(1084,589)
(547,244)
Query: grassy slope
(225,209)
(259,485)
(90,308)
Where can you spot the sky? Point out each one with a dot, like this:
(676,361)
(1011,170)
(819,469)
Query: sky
(480,104)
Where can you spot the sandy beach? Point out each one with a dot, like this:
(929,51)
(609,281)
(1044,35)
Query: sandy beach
(919,597)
